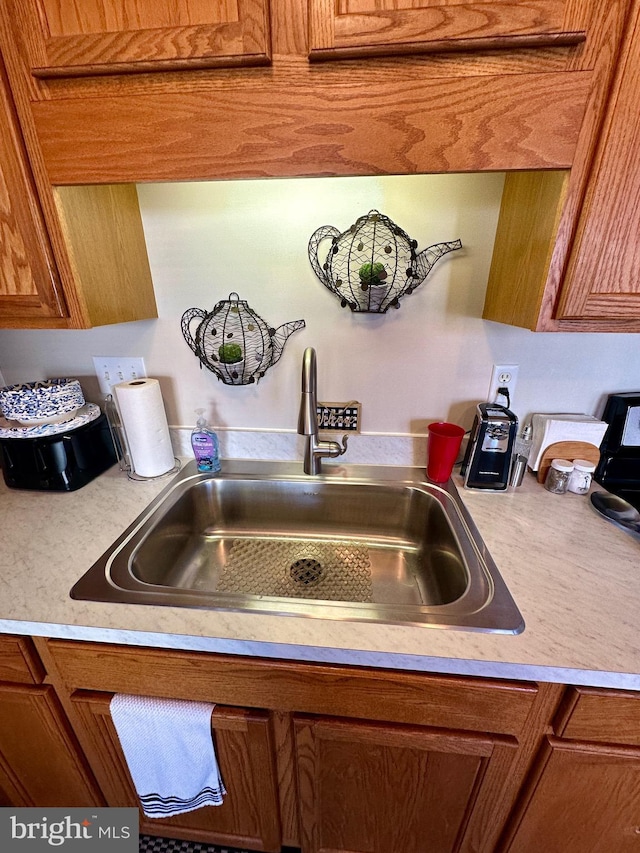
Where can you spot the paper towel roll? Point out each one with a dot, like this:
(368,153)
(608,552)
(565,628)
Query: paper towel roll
(145,425)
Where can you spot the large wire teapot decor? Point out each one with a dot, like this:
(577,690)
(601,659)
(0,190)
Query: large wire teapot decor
(374,263)
(233,342)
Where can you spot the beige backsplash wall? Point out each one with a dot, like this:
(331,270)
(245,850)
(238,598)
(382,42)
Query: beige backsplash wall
(429,360)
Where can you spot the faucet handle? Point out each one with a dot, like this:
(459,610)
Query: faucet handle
(345,439)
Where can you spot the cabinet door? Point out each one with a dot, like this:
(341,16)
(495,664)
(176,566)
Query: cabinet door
(356,27)
(243,743)
(378,788)
(40,761)
(583,799)
(29,286)
(19,661)
(603,278)
(120,36)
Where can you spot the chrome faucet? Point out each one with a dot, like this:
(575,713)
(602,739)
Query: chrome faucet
(315,449)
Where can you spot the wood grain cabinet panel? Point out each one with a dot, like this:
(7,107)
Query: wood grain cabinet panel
(344,28)
(360,759)
(378,788)
(29,281)
(249,816)
(19,661)
(473,704)
(496,102)
(605,282)
(40,761)
(582,799)
(70,257)
(581,270)
(107,36)
(602,716)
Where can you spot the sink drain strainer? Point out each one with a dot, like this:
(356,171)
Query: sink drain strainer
(306,571)
(332,571)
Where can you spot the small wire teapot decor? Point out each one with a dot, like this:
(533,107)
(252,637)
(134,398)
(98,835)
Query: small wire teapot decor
(374,263)
(233,342)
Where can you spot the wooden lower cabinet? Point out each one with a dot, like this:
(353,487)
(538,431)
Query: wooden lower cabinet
(583,794)
(584,798)
(243,742)
(331,758)
(41,760)
(381,788)
(41,763)
(324,757)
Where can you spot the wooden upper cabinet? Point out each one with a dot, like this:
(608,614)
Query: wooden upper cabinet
(29,284)
(510,93)
(121,36)
(355,27)
(566,256)
(604,272)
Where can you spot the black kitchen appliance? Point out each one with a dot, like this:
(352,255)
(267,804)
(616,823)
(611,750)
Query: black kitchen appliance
(61,462)
(619,467)
(487,461)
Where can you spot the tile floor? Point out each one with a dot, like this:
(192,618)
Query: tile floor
(151,844)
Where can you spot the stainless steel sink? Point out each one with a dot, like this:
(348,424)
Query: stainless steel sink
(359,543)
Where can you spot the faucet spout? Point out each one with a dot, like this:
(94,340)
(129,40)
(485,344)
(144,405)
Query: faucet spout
(315,449)
(307,417)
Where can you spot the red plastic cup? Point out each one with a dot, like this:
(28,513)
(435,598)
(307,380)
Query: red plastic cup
(443,444)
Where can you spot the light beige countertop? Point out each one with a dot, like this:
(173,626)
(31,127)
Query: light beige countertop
(574,577)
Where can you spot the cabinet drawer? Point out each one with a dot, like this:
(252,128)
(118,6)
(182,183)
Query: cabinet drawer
(603,716)
(356,27)
(473,704)
(141,35)
(19,662)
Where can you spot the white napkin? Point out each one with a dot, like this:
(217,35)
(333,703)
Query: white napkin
(169,750)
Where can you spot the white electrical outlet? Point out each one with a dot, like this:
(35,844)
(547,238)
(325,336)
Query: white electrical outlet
(503,376)
(111,370)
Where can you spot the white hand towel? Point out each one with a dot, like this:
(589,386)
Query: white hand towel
(169,749)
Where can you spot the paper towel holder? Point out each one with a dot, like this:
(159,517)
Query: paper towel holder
(119,438)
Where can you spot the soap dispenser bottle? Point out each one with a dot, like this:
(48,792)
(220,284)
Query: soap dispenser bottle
(206,447)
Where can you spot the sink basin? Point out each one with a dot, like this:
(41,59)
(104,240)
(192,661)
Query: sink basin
(359,544)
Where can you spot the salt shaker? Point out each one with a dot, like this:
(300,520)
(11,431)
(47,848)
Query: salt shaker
(580,477)
(558,475)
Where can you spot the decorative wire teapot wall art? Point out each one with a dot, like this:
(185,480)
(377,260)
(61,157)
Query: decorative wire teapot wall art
(374,263)
(233,342)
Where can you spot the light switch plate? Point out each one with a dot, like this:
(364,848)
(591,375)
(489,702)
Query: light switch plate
(111,370)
